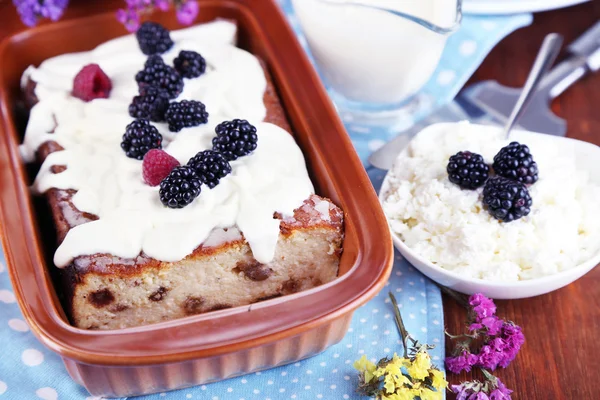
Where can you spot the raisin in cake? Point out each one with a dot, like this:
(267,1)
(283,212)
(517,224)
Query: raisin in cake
(244,228)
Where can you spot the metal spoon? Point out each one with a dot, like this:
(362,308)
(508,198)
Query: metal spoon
(544,60)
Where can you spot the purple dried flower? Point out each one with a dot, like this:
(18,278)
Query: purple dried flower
(463,362)
(482,306)
(497,344)
(493,325)
(501,392)
(162,5)
(130,18)
(478,396)
(30,11)
(187,11)
(461,392)
(513,340)
(489,357)
(466,389)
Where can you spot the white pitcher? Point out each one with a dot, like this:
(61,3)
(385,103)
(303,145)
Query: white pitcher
(377,52)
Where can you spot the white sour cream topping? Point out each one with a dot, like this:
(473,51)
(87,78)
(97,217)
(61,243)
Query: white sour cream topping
(131,217)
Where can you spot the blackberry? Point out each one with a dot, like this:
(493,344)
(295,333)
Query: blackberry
(235,139)
(185,114)
(153,38)
(506,200)
(157,73)
(467,170)
(189,64)
(180,187)
(150,104)
(139,138)
(210,167)
(515,162)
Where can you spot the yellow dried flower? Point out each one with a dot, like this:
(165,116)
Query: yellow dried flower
(419,368)
(402,394)
(438,380)
(428,394)
(365,366)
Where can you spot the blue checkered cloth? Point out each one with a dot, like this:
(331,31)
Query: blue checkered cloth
(30,371)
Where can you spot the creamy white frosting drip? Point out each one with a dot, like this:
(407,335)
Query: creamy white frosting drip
(110,185)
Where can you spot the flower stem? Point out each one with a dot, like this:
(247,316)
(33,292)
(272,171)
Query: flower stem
(487,375)
(399,323)
(460,299)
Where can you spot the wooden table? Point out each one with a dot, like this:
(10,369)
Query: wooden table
(561,355)
(560,359)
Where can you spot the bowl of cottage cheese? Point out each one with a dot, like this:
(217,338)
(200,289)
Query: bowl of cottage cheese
(448,234)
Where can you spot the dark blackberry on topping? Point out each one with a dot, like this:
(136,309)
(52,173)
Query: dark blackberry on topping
(235,139)
(153,38)
(140,136)
(210,167)
(150,104)
(156,73)
(515,162)
(185,114)
(506,200)
(180,187)
(467,170)
(189,64)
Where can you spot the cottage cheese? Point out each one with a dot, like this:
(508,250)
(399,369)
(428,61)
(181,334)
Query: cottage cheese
(449,226)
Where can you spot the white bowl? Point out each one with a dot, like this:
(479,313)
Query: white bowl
(587,158)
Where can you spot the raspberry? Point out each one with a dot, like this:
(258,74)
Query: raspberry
(210,167)
(189,64)
(467,170)
(157,165)
(151,104)
(139,138)
(506,200)
(91,83)
(235,139)
(179,188)
(515,162)
(157,73)
(185,114)
(153,38)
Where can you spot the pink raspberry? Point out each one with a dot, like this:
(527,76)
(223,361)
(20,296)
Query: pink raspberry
(91,83)
(157,165)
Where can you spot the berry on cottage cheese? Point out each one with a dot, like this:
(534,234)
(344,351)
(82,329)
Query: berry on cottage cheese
(451,227)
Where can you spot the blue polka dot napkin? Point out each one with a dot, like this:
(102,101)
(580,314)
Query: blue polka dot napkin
(30,371)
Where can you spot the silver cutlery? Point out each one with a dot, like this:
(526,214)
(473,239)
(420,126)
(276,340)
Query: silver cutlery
(491,103)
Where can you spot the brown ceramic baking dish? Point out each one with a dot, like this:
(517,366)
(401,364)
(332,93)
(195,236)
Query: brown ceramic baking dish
(222,344)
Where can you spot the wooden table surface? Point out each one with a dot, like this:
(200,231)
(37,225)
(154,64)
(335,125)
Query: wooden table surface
(561,357)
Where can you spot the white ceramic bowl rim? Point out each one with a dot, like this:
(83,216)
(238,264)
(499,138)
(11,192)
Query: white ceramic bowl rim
(595,260)
(579,269)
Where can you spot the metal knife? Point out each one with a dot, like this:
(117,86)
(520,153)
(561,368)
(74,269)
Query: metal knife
(490,103)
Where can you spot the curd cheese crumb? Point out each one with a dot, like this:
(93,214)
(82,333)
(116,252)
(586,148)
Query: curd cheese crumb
(449,226)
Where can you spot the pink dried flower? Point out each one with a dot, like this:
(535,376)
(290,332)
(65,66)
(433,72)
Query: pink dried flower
(513,340)
(489,357)
(482,306)
(492,325)
(162,5)
(187,11)
(466,389)
(501,392)
(129,18)
(479,396)
(463,362)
